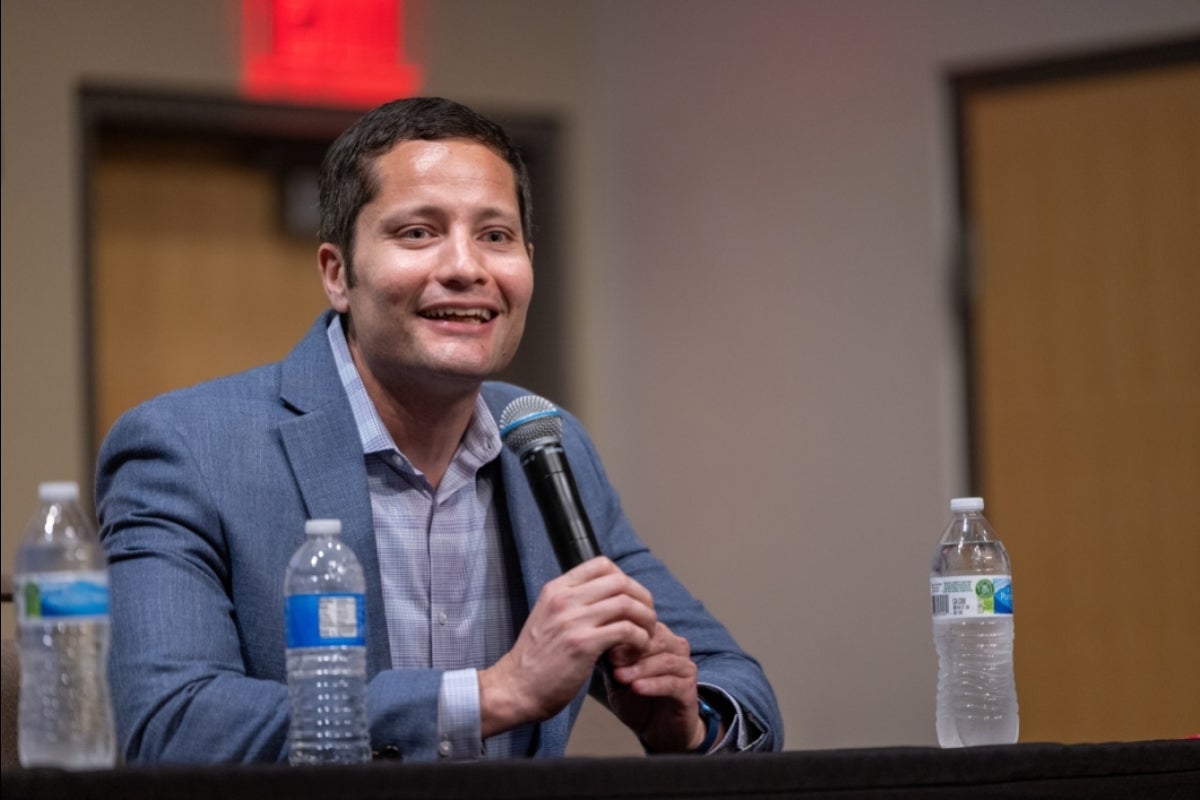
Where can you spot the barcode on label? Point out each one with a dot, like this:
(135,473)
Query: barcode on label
(941,604)
(338,617)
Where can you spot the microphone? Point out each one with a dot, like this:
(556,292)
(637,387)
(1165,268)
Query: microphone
(532,427)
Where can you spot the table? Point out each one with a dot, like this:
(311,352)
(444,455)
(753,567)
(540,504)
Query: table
(1156,769)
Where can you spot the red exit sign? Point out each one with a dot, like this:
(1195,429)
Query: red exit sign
(326,52)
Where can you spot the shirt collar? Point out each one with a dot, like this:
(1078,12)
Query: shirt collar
(480,443)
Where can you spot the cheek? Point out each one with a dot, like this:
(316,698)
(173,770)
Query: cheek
(518,287)
(392,281)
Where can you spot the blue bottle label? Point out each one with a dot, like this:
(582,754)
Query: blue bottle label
(323,620)
(67,596)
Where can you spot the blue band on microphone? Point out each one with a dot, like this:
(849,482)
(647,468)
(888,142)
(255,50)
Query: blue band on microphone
(516,423)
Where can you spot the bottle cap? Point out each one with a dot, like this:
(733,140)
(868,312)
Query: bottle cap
(323,527)
(960,505)
(58,491)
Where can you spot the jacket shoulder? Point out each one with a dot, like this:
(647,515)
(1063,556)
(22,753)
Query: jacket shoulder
(252,384)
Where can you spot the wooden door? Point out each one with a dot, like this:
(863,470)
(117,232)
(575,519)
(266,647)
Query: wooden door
(1083,198)
(192,275)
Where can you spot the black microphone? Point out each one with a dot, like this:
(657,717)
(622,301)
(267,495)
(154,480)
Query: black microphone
(532,427)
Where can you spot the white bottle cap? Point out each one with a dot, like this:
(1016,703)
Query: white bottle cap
(960,505)
(323,527)
(58,491)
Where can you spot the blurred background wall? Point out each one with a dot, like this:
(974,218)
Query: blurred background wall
(757,213)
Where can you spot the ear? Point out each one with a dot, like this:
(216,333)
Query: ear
(333,276)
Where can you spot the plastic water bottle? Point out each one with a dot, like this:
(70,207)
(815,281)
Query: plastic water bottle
(326,650)
(971,584)
(61,590)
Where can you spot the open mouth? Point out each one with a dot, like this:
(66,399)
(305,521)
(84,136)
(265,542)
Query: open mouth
(476,315)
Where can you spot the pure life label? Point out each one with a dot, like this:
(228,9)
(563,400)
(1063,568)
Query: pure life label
(324,620)
(62,596)
(971,596)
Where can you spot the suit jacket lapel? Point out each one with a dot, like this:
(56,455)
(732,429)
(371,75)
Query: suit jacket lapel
(326,456)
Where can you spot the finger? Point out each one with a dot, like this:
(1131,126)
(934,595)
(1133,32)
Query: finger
(663,641)
(623,655)
(669,665)
(664,653)
(623,608)
(586,617)
(589,570)
(619,633)
(679,689)
(603,599)
(602,573)
(666,641)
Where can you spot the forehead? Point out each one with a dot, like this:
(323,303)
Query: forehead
(417,166)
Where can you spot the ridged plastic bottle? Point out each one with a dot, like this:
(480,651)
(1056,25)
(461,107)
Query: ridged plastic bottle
(60,586)
(971,585)
(326,650)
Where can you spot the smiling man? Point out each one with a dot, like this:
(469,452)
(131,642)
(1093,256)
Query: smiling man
(383,416)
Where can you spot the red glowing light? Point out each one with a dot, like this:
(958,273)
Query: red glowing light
(339,52)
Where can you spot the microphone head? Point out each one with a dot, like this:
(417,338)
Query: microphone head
(529,420)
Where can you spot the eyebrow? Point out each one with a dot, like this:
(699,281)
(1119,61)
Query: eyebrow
(486,213)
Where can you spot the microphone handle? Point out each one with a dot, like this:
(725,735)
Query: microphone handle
(558,497)
(567,523)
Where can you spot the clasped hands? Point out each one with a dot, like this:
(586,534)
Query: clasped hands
(592,611)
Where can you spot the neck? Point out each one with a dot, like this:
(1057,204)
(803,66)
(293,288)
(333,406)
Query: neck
(426,425)
(427,432)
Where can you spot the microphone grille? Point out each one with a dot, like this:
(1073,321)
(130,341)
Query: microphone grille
(529,419)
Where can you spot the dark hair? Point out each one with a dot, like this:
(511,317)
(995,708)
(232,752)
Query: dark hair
(348,179)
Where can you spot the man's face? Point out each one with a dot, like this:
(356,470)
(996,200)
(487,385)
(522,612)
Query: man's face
(443,275)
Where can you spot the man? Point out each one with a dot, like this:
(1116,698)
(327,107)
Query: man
(382,417)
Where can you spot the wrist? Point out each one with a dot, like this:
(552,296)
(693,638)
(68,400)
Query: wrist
(500,709)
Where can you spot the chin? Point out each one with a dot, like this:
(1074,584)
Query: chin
(470,367)
(472,374)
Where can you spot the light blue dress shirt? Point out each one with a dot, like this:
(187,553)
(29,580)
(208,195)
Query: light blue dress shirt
(442,565)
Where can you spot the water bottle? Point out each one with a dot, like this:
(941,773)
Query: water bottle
(61,590)
(326,650)
(971,584)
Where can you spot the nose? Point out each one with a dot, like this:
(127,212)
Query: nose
(462,264)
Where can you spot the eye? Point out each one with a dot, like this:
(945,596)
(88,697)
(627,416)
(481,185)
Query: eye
(414,233)
(497,237)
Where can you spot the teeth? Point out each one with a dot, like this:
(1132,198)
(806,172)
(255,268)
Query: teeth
(481,314)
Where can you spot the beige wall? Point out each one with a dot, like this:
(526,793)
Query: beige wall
(759,222)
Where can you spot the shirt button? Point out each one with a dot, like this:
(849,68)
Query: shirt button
(444,747)
(443,617)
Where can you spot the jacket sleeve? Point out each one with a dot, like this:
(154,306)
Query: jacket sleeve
(197,660)
(722,664)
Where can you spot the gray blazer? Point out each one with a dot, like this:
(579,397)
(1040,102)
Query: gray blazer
(202,495)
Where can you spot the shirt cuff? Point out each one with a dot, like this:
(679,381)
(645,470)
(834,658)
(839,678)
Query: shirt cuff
(458,733)
(737,737)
